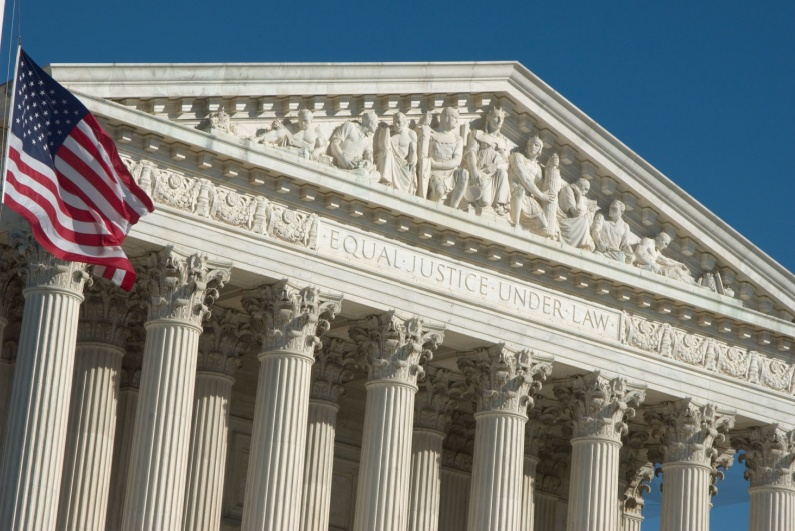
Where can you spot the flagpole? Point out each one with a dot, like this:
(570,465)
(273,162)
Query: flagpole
(8,124)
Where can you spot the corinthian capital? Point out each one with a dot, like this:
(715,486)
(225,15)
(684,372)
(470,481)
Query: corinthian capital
(290,318)
(181,286)
(598,405)
(769,456)
(332,368)
(503,379)
(433,405)
(394,347)
(108,313)
(40,268)
(687,431)
(10,282)
(635,472)
(225,338)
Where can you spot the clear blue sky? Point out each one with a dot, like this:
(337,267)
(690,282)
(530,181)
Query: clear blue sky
(702,90)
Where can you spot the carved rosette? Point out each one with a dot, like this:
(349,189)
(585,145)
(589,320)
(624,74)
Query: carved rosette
(332,368)
(769,456)
(107,314)
(459,444)
(226,337)
(503,379)
(289,318)
(433,404)
(394,347)
(598,405)
(40,268)
(179,286)
(687,431)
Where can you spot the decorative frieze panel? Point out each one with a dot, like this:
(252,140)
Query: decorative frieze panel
(707,353)
(200,196)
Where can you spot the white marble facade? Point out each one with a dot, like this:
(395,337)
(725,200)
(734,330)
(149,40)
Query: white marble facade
(389,297)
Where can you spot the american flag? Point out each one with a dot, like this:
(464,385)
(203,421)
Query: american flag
(65,177)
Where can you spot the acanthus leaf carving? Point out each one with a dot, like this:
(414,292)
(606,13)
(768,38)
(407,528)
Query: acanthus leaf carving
(769,455)
(597,405)
(459,445)
(290,318)
(501,378)
(226,337)
(392,346)
(688,431)
(108,314)
(180,286)
(433,403)
(333,367)
(43,269)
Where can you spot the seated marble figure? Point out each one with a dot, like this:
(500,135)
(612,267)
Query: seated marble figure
(534,194)
(612,236)
(441,153)
(351,146)
(576,214)
(648,256)
(486,160)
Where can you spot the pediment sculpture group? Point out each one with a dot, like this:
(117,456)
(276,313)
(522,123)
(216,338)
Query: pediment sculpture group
(478,173)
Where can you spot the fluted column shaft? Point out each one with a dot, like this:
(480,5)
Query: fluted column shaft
(685,498)
(772,509)
(278,443)
(527,518)
(496,494)
(6,381)
(545,511)
(594,483)
(156,476)
(426,457)
(92,426)
(122,450)
(631,522)
(207,455)
(38,414)
(453,499)
(382,492)
(318,466)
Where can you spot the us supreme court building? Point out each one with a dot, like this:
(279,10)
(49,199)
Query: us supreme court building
(389,297)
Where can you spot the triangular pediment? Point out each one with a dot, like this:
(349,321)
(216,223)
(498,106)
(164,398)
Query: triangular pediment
(216,119)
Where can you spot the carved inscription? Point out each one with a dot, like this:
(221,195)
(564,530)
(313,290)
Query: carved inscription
(467,282)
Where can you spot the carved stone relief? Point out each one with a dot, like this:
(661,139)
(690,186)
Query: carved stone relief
(202,197)
(471,166)
(707,353)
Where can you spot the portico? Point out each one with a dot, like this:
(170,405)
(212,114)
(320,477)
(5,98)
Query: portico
(324,351)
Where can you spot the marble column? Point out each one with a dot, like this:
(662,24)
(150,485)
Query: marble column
(503,381)
(597,406)
(551,483)
(289,318)
(770,465)
(392,348)
(536,434)
(129,382)
(687,433)
(101,335)
(432,407)
(330,371)
(33,454)
(453,499)
(223,341)
(635,473)
(11,306)
(180,289)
